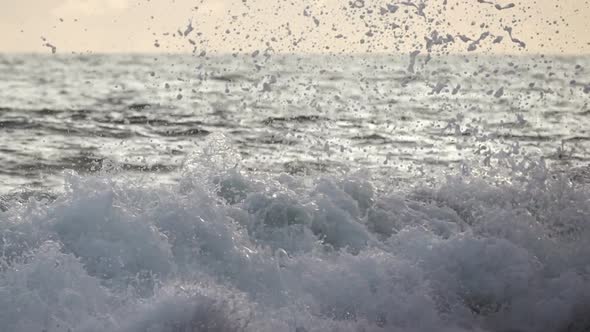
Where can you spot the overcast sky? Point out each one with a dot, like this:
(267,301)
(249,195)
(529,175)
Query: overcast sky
(541,26)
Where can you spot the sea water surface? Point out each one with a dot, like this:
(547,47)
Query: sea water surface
(294,193)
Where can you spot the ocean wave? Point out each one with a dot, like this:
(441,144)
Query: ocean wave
(224,249)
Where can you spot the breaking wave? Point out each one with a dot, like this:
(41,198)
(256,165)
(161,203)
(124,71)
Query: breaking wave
(223,249)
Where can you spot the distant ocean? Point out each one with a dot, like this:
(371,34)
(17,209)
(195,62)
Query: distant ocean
(294,193)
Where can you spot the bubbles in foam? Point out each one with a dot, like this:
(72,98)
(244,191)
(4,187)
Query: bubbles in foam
(227,250)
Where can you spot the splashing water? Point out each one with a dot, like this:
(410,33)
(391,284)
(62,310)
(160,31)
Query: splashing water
(229,250)
(303,166)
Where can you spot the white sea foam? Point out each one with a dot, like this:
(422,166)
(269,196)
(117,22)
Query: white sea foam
(228,250)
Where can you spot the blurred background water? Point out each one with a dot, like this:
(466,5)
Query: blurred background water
(294,114)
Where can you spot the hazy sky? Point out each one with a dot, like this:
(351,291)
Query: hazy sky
(544,26)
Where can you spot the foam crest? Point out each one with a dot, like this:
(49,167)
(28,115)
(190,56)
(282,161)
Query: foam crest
(230,250)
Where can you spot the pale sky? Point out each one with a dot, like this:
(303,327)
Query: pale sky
(98,26)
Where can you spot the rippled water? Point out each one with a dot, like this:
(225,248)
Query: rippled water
(285,113)
(287,193)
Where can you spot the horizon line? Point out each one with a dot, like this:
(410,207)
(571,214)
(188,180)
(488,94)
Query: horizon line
(325,54)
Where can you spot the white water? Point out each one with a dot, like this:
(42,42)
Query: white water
(228,250)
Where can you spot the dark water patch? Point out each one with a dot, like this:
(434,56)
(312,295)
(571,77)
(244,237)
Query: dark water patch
(95,131)
(304,167)
(135,120)
(404,142)
(79,115)
(299,118)
(530,138)
(45,111)
(51,112)
(65,129)
(370,137)
(82,163)
(11,169)
(566,157)
(229,78)
(300,167)
(139,106)
(105,131)
(152,168)
(21,123)
(577,139)
(183,132)
(272,140)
